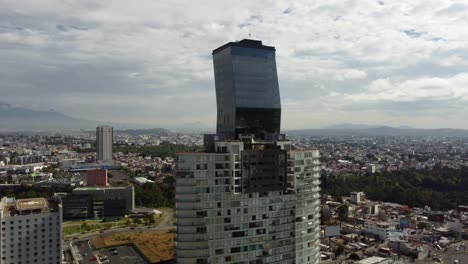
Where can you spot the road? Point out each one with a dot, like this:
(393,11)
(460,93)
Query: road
(453,254)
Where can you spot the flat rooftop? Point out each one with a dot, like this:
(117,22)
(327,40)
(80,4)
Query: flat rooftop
(31,204)
(373,260)
(102,188)
(245,43)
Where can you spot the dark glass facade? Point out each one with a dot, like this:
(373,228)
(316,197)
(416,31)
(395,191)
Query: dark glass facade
(77,206)
(264,170)
(247,91)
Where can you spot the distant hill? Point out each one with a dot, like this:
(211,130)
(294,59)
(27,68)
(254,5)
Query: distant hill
(381,131)
(17,118)
(149,131)
(194,127)
(14,119)
(350,126)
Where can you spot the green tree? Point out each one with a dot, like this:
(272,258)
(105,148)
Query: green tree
(342,212)
(339,249)
(85,226)
(440,187)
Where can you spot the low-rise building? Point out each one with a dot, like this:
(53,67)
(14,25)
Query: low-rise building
(96,177)
(357,197)
(377,228)
(98,202)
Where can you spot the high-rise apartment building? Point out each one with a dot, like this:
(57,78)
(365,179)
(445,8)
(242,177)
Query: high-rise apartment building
(31,231)
(248,198)
(104,141)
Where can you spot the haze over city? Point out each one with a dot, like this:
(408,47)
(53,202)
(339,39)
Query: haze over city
(369,62)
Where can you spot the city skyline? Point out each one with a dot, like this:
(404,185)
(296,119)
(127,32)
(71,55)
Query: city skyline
(370,62)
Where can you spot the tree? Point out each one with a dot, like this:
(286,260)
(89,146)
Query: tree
(85,226)
(151,220)
(342,211)
(325,214)
(440,188)
(339,249)
(151,195)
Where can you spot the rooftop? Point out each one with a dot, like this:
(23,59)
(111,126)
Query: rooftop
(12,207)
(31,204)
(100,188)
(373,260)
(245,43)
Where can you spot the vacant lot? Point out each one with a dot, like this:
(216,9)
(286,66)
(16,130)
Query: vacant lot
(157,246)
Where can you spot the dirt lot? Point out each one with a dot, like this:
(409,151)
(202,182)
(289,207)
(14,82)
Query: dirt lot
(157,246)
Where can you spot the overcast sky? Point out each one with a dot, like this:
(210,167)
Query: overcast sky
(149,62)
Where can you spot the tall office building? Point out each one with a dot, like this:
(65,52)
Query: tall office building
(31,230)
(104,141)
(247,91)
(248,198)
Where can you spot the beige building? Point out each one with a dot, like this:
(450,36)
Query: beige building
(31,231)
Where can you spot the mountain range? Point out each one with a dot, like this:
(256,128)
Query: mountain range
(14,118)
(381,131)
(22,119)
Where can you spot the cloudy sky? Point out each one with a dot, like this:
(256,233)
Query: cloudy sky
(149,61)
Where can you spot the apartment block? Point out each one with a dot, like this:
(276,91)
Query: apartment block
(31,231)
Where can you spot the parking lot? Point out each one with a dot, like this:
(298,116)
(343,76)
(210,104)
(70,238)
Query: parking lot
(83,251)
(121,255)
(86,254)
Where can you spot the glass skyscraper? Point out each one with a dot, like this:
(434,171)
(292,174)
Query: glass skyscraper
(247,198)
(247,91)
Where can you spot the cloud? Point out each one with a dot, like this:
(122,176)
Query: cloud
(429,88)
(151,61)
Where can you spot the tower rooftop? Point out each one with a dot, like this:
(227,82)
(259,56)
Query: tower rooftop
(245,43)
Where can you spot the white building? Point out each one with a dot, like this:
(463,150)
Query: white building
(31,231)
(371,168)
(225,215)
(377,228)
(373,209)
(104,141)
(357,197)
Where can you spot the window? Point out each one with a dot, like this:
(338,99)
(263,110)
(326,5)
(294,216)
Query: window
(201,229)
(201,214)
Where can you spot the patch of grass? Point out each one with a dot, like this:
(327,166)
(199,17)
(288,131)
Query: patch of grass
(85,226)
(157,246)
